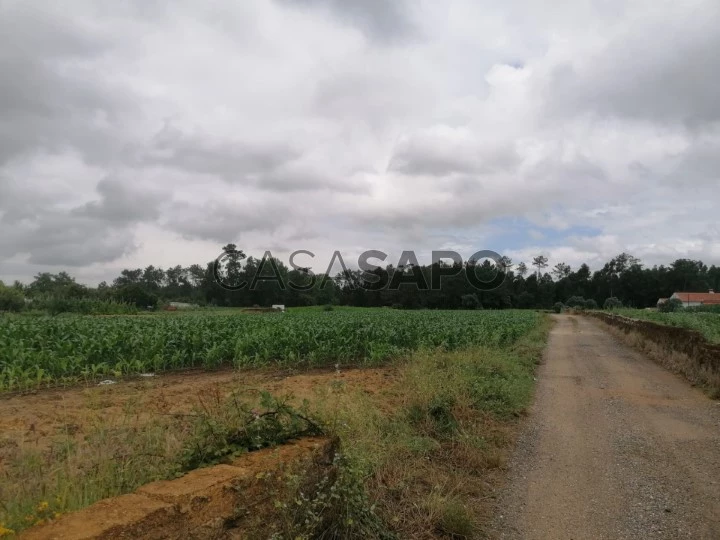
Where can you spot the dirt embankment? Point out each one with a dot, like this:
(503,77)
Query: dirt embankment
(221,502)
(681,350)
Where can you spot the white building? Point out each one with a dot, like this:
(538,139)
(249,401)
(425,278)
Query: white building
(691,299)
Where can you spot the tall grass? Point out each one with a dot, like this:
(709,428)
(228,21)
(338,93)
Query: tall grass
(425,447)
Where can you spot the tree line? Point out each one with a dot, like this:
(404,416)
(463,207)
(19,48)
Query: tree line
(527,285)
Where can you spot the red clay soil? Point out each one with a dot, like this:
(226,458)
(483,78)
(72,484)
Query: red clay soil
(37,419)
(220,502)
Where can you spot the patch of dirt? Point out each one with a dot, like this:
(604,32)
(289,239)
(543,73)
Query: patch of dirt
(38,419)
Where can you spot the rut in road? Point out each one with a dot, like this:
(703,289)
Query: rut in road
(615,446)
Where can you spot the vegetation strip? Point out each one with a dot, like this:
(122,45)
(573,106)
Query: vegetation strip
(706,320)
(45,351)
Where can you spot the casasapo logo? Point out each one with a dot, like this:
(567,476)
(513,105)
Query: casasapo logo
(484,270)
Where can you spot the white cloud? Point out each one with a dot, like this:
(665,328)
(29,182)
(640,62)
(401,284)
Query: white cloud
(142,128)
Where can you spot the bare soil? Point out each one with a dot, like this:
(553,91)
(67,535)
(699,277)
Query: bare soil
(37,419)
(615,446)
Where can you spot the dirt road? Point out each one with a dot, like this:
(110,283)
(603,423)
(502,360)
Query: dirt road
(615,447)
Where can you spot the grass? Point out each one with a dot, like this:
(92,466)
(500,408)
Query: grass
(707,323)
(426,446)
(416,456)
(113,459)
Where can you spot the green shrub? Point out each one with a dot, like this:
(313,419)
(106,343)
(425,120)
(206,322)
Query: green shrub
(137,295)
(670,306)
(612,303)
(575,302)
(470,301)
(11,299)
(231,428)
(558,307)
(337,505)
(590,304)
(55,305)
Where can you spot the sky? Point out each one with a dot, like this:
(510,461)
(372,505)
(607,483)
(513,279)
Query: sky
(155,132)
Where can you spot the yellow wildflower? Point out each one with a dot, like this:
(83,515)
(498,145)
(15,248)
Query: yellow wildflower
(5,531)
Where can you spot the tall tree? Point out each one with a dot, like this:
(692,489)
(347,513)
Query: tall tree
(540,263)
(561,270)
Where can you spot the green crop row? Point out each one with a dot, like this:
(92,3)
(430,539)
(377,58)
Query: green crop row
(41,351)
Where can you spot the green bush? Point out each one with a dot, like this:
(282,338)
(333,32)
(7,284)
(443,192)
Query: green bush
(612,303)
(55,305)
(234,427)
(470,301)
(670,306)
(11,299)
(575,302)
(137,295)
(590,304)
(558,307)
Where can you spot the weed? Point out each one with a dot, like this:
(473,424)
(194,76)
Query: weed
(227,428)
(455,520)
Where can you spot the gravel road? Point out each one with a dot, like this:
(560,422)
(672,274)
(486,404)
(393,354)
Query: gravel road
(615,447)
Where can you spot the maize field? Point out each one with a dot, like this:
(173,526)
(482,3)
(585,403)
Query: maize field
(47,351)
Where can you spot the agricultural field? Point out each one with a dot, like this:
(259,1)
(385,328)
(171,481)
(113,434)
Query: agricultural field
(707,323)
(427,399)
(46,351)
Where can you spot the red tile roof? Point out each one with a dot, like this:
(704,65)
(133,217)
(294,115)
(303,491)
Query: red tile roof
(703,298)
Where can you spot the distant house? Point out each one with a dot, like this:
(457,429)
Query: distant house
(692,299)
(182,305)
(278,307)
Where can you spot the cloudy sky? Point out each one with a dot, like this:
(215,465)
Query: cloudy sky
(153,132)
